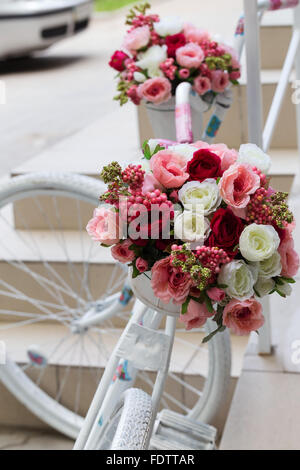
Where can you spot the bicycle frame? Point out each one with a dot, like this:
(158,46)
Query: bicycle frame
(146,348)
(129,355)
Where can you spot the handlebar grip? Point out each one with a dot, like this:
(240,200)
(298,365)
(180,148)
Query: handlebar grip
(183,116)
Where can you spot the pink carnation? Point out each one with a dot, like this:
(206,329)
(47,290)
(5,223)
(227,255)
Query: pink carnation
(169,283)
(228,156)
(196,315)
(190,56)
(141,264)
(136,39)
(104,226)
(169,168)
(243,317)
(193,34)
(121,252)
(202,85)
(219,81)
(237,184)
(289,257)
(156,90)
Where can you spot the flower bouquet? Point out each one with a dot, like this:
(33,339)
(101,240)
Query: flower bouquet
(159,54)
(202,230)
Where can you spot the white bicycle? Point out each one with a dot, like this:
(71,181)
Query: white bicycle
(62,323)
(62,317)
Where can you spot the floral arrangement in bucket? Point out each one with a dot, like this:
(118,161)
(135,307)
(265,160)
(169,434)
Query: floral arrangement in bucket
(158,54)
(201,226)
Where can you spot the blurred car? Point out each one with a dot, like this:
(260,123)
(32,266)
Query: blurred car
(27,26)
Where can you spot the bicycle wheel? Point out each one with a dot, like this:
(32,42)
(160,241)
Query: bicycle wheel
(48,279)
(129,425)
(51,274)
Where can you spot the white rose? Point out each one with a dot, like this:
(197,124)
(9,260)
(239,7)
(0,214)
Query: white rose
(185,150)
(139,77)
(270,267)
(206,193)
(252,154)
(264,286)
(191,226)
(168,25)
(258,242)
(151,59)
(239,278)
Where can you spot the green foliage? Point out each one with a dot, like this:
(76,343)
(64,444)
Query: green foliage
(147,151)
(110,5)
(137,10)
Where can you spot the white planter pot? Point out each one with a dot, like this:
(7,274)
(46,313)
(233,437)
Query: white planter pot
(162,117)
(142,289)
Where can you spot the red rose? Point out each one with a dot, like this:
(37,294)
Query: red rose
(117,60)
(174,42)
(204,164)
(226,229)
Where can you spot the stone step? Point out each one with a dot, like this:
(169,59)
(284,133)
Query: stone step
(275,35)
(260,419)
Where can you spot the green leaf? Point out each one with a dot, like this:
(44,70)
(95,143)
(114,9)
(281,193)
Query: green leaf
(289,280)
(135,271)
(146,149)
(158,148)
(184,306)
(213,333)
(256,292)
(208,304)
(222,286)
(280,293)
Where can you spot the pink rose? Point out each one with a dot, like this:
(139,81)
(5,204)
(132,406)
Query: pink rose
(219,81)
(196,315)
(122,253)
(157,90)
(202,85)
(237,184)
(228,156)
(289,257)
(243,317)
(136,39)
(169,168)
(150,184)
(193,34)
(141,264)
(104,226)
(169,283)
(190,56)
(184,73)
(216,294)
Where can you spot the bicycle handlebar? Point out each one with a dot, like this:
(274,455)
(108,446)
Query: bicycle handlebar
(183,118)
